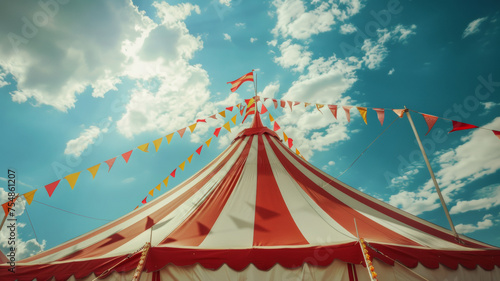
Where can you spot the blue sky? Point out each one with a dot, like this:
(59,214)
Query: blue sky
(83,82)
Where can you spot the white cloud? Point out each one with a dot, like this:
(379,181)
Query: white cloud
(253,39)
(240,24)
(273,43)
(407,177)
(489,105)
(88,137)
(270,90)
(391,71)
(2,78)
(491,199)
(347,28)
(227,37)
(225,2)
(295,21)
(128,180)
(293,56)
(468,228)
(473,27)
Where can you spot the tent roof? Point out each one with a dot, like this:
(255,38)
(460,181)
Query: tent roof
(258,202)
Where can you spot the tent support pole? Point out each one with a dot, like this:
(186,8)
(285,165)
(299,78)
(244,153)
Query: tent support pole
(438,190)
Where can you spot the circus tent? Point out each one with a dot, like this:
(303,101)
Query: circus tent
(260,212)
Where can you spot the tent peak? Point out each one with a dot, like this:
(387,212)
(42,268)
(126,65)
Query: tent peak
(256,128)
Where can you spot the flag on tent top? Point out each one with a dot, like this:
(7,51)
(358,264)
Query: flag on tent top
(237,83)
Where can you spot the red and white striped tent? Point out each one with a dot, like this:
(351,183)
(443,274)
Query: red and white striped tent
(260,212)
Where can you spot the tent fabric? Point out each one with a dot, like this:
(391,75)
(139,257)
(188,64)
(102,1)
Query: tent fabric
(259,205)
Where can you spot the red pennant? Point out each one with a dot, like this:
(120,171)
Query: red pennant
(266,99)
(275,102)
(229,108)
(497,134)
(282,103)
(263,109)
(173,173)
(430,120)
(296,103)
(290,143)
(110,163)
(242,110)
(290,104)
(347,109)
(380,115)
(199,150)
(126,156)
(144,200)
(201,120)
(216,133)
(276,126)
(6,207)
(333,109)
(213,116)
(51,187)
(181,131)
(458,126)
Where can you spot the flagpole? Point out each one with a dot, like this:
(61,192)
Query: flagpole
(438,190)
(255,89)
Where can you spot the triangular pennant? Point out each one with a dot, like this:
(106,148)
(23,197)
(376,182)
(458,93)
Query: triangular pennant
(201,120)
(297,151)
(263,109)
(192,127)
(158,187)
(380,115)
(234,119)
(217,131)
(223,113)
(110,163)
(285,137)
(157,143)
(333,109)
(181,132)
(165,181)
(399,112)
(227,126)
(144,200)
(458,126)
(276,126)
(51,187)
(137,207)
(290,104)
(151,192)
(430,120)
(169,137)
(296,103)
(362,111)
(275,104)
(347,109)
(229,108)
(126,156)
(290,143)
(29,196)
(173,173)
(271,117)
(6,207)
(93,170)
(306,104)
(199,150)
(190,158)
(282,103)
(496,133)
(182,165)
(213,116)
(238,105)
(72,179)
(208,142)
(242,110)
(144,147)
(318,106)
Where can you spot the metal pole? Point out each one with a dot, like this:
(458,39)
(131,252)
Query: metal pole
(438,190)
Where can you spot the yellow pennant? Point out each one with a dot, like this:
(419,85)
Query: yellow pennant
(93,170)
(223,113)
(169,137)
(151,192)
(271,117)
(182,165)
(285,137)
(191,127)
(165,181)
(234,119)
(190,158)
(362,111)
(306,104)
(144,147)
(238,105)
(72,179)
(208,142)
(227,126)
(158,187)
(157,143)
(297,151)
(29,196)
(318,106)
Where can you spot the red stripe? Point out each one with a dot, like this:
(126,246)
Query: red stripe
(196,227)
(378,206)
(141,210)
(351,272)
(340,212)
(273,223)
